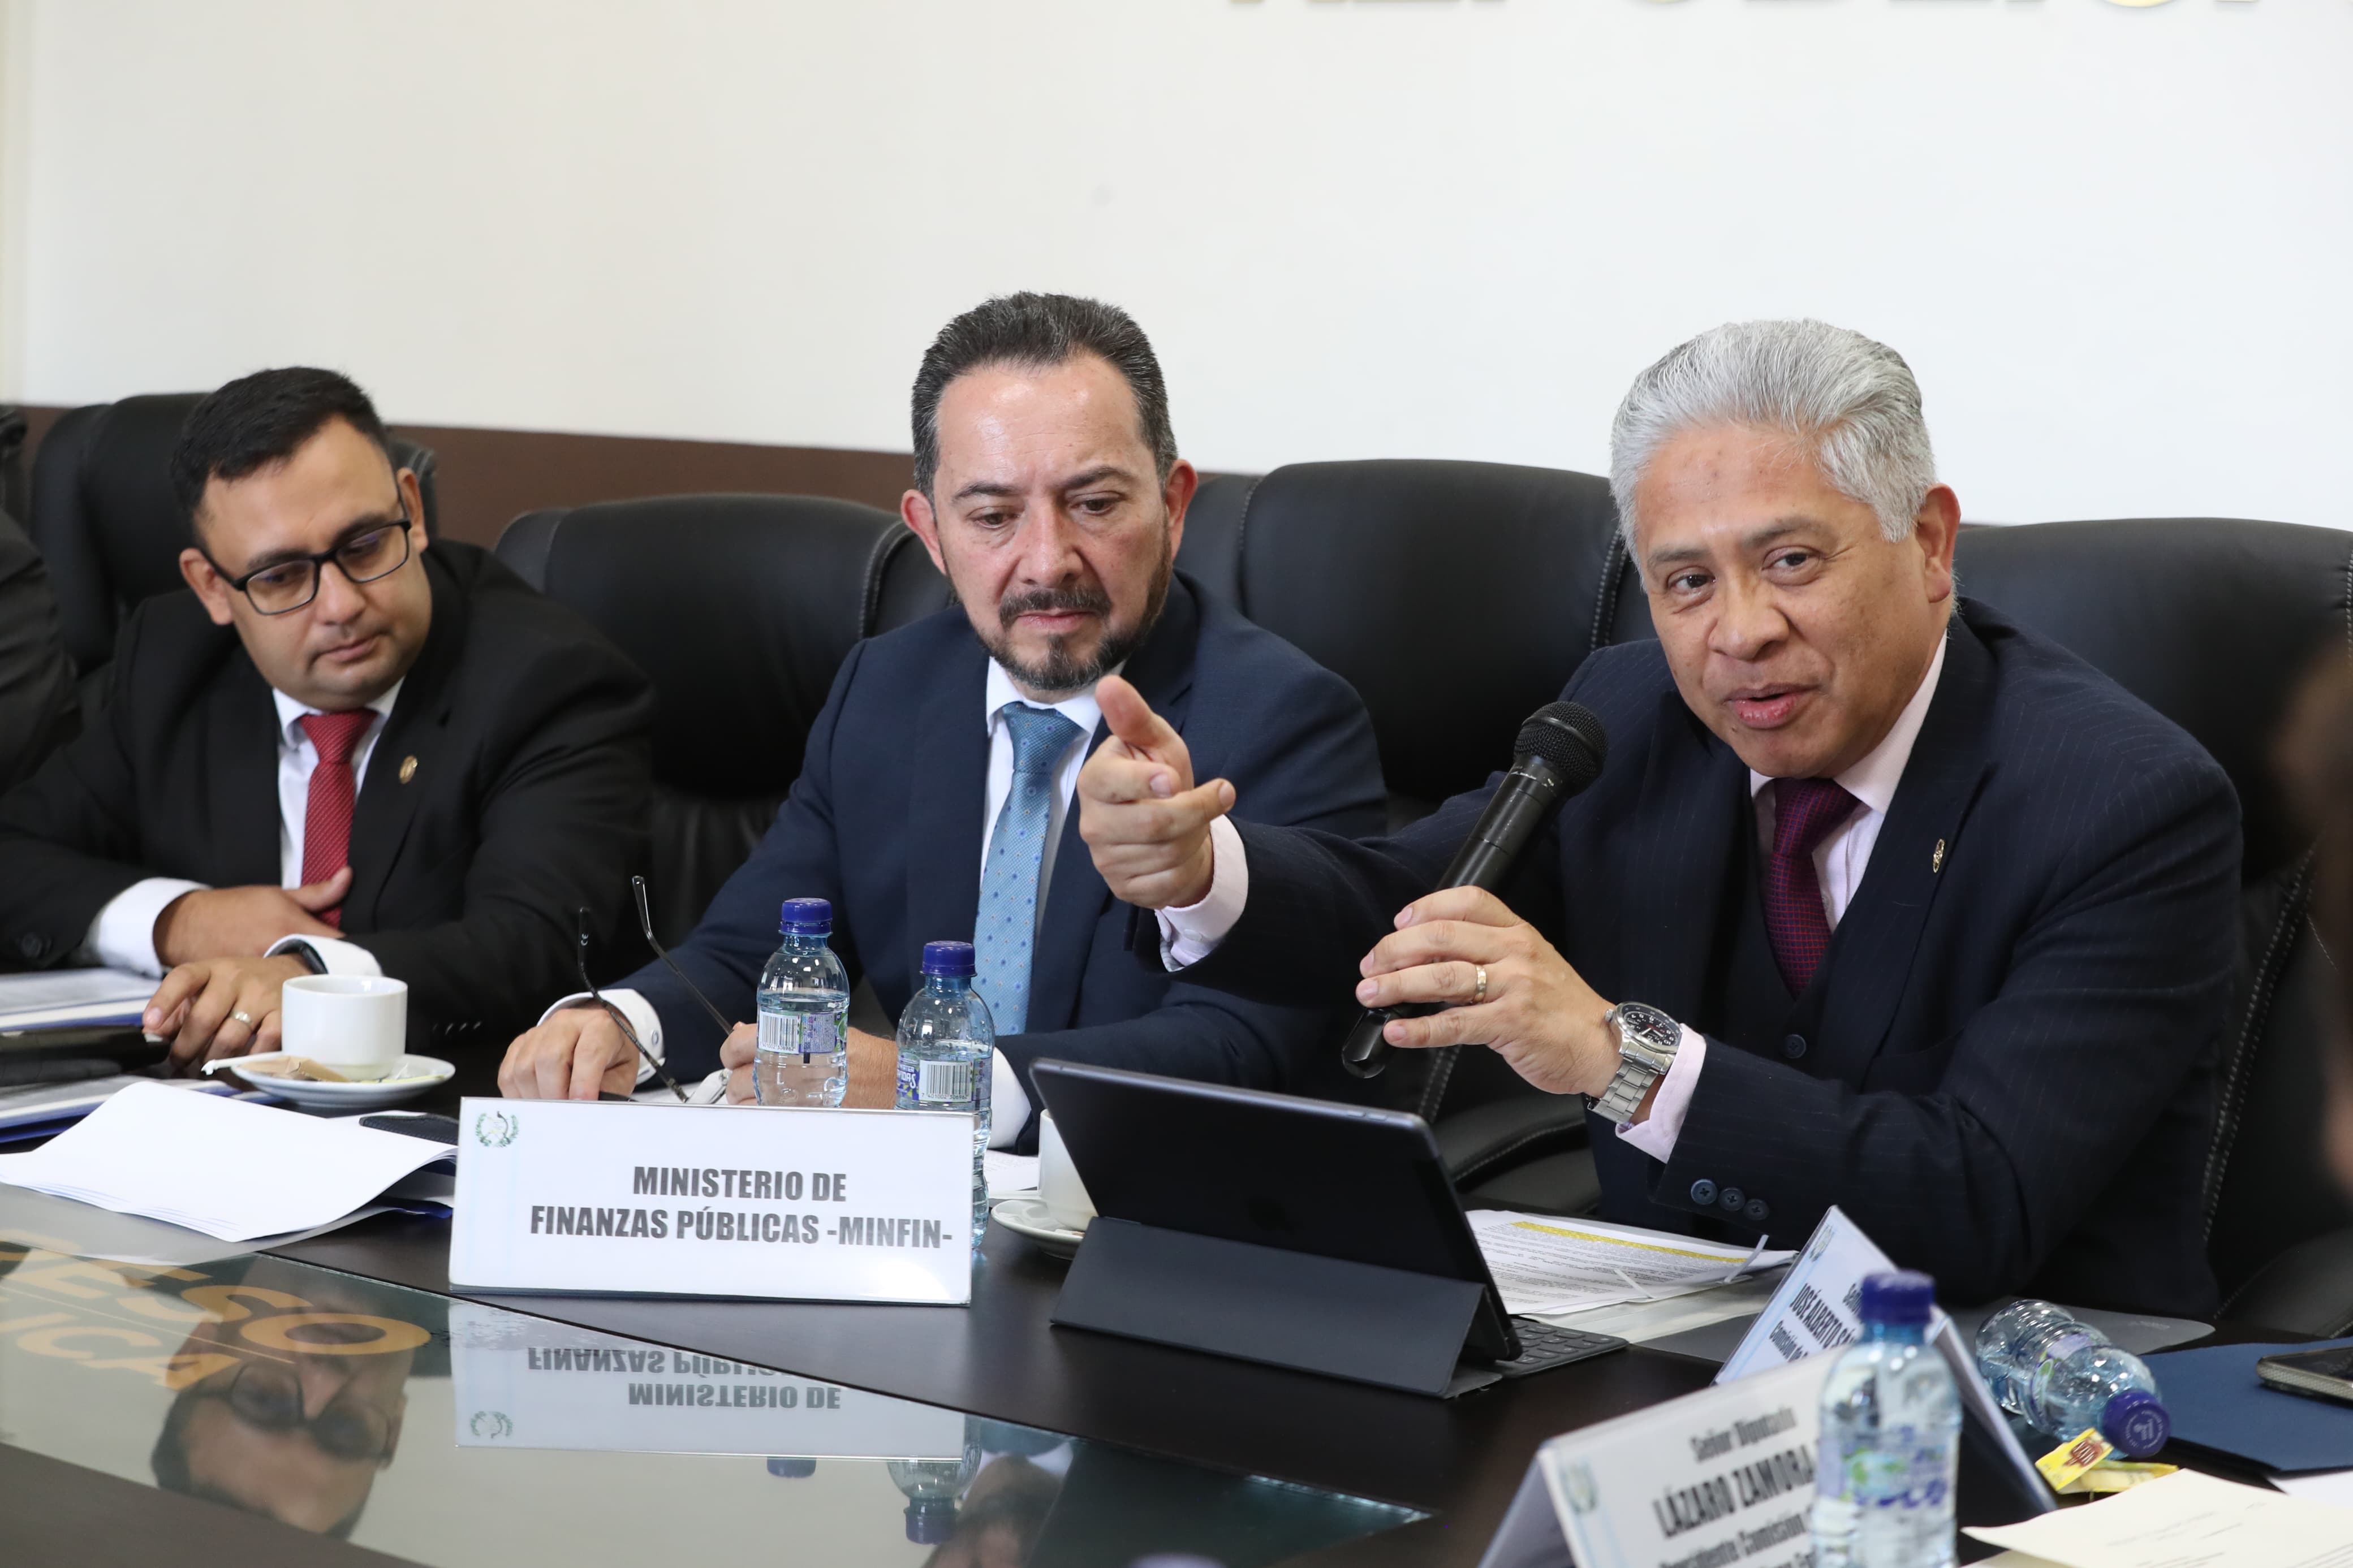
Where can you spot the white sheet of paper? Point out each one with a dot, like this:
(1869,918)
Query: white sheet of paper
(2186,1520)
(1542,1263)
(61,995)
(228,1168)
(1009,1176)
(2332,1486)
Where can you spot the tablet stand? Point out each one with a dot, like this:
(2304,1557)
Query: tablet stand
(1296,1310)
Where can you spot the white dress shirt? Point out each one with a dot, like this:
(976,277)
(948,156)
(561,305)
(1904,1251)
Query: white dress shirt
(123,934)
(1008,1104)
(1190,933)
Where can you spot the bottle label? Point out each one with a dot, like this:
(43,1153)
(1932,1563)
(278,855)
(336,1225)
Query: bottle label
(800,1033)
(943,1083)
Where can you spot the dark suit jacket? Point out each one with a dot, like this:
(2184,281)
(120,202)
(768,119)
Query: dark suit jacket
(528,798)
(886,822)
(37,680)
(2011,1084)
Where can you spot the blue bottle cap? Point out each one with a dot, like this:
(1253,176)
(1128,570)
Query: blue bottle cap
(805,917)
(2136,1421)
(931,1519)
(951,960)
(1903,1297)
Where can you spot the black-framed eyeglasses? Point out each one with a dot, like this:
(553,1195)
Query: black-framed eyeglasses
(270,1398)
(366,553)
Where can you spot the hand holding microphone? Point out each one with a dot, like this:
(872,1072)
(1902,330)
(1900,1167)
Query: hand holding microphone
(1449,946)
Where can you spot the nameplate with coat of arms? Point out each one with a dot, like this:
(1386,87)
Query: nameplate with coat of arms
(1715,1479)
(750,1201)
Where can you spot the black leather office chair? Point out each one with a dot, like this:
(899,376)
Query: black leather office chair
(2214,623)
(104,517)
(740,608)
(1457,598)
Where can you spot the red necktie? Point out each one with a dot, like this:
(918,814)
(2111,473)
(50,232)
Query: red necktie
(1805,811)
(327,819)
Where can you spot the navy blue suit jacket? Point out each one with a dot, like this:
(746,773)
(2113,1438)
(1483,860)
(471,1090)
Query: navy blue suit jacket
(886,822)
(2012,1082)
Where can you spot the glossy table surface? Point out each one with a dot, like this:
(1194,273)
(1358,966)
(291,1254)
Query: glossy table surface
(1366,1476)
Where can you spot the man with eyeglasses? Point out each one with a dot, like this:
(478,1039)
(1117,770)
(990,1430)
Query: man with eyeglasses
(339,751)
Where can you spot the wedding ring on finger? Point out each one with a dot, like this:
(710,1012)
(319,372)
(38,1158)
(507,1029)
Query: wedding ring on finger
(242,1016)
(1479,986)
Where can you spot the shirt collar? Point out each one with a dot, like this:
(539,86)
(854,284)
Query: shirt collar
(1082,710)
(1872,780)
(290,712)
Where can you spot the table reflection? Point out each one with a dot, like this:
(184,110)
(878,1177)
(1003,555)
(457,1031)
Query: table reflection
(302,1402)
(457,1434)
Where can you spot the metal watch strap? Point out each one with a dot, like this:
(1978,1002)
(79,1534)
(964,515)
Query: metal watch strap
(1635,1073)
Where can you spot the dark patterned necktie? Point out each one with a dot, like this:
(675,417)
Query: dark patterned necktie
(327,819)
(1804,812)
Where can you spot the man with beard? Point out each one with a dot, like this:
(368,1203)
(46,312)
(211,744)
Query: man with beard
(934,801)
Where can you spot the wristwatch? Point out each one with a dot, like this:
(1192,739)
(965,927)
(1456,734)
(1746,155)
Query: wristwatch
(1647,1040)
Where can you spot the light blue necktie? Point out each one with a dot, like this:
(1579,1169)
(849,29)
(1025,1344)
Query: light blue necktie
(1007,927)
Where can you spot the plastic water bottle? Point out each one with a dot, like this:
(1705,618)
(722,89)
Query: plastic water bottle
(804,1049)
(948,1046)
(2064,1376)
(1891,1438)
(931,1488)
(2015,1340)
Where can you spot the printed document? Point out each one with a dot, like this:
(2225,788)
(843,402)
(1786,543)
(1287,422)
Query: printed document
(2186,1520)
(1546,1264)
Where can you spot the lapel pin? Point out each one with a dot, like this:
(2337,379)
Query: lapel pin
(1935,859)
(408,771)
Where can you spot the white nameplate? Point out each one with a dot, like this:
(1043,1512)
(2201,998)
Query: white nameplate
(1723,1476)
(1818,1309)
(523,1382)
(656,1200)
(1819,1305)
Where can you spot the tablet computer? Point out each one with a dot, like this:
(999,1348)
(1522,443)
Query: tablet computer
(1347,1182)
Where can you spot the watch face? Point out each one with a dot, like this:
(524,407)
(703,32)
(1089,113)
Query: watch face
(1647,1027)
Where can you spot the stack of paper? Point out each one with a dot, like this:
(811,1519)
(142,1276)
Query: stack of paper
(225,1167)
(57,998)
(1546,1265)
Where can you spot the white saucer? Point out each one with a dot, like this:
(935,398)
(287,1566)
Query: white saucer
(413,1077)
(1027,1216)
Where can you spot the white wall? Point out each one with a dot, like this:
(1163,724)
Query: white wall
(2116,243)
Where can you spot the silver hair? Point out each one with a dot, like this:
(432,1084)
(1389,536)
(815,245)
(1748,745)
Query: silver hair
(1849,400)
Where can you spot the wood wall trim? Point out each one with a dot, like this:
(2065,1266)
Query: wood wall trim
(485,477)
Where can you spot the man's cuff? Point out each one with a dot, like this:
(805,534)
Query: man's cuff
(123,934)
(637,1011)
(329,955)
(1190,933)
(1008,1102)
(1656,1133)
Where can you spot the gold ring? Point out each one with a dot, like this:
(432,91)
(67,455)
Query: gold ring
(1479,993)
(242,1016)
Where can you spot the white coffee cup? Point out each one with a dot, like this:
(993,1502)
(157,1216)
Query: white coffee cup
(355,1024)
(1059,1187)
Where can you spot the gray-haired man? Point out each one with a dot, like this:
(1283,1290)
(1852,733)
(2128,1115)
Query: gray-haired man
(1900,908)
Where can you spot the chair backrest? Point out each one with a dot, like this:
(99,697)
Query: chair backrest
(740,609)
(1456,597)
(104,517)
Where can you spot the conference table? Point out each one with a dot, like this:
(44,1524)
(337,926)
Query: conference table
(528,1428)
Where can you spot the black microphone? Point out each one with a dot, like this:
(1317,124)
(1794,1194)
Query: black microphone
(1559,751)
